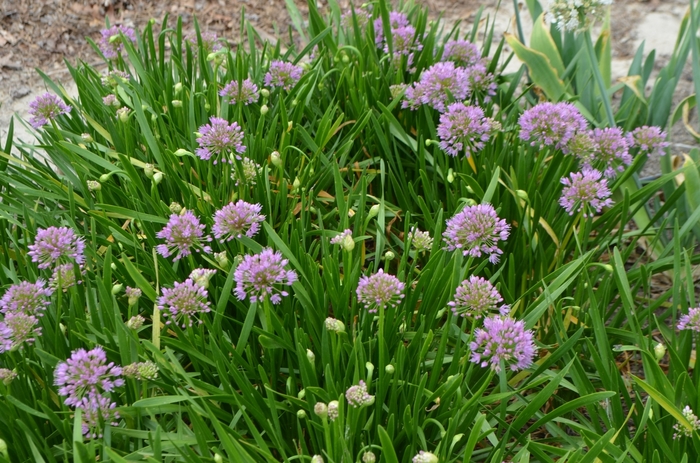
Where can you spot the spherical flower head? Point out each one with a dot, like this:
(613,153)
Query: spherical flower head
(369,457)
(436,85)
(396,21)
(464,129)
(585,191)
(135,322)
(141,371)
(133,295)
(648,139)
(65,277)
(246,92)
(575,15)
(7,376)
(462,52)
(16,329)
(210,42)
(503,339)
(111,100)
(201,276)
(358,396)
(334,325)
(56,245)
(237,219)
(258,274)
(682,430)
(420,240)
(345,240)
(581,145)
(249,173)
(97,410)
(551,124)
(86,373)
(379,290)
(183,302)
(425,457)
(317,459)
(476,230)
(691,321)
(475,298)
(333,412)
(361,16)
(404,44)
(45,108)
(610,152)
(114,78)
(321,409)
(25,297)
(182,234)
(112,43)
(219,140)
(283,74)
(481,82)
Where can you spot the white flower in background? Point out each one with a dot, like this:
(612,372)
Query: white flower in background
(575,15)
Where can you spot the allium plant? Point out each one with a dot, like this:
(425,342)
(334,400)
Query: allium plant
(249,173)
(425,457)
(7,376)
(610,151)
(682,430)
(45,108)
(585,191)
(476,297)
(358,396)
(420,240)
(481,82)
(258,276)
(220,140)
(96,411)
(437,84)
(283,74)
(551,124)
(25,297)
(462,52)
(56,245)
(210,41)
(345,240)
(404,44)
(379,290)
(690,321)
(182,235)
(65,276)
(112,43)
(464,129)
(476,230)
(17,329)
(184,303)
(141,371)
(245,92)
(575,15)
(86,373)
(503,340)
(201,276)
(648,139)
(397,20)
(237,219)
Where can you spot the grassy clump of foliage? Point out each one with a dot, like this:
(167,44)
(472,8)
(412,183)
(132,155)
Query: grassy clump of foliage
(361,249)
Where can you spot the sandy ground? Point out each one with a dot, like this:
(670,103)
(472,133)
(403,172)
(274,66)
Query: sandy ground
(41,33)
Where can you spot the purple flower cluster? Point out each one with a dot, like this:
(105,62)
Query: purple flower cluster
(111,42)
(340,238)
(481,81)
(210,41)
(16,329)
(358,396)
(245,92)
(585,191)
(65,276)
(363,17)
(220,139)
(462,52)
(237,219)
(141,371)
(610,151)
(648,139)
(182,234)
(691,321)
(257,275)
(476,230)
(45,108)
(551,124)
(503,339)
(397,20)
(436,85)
(379,290)
(86,380)
(464,128)
(404,44)
(25,297)
(283,74)
(7,376)
(475,298)
(183,302)
(56,245)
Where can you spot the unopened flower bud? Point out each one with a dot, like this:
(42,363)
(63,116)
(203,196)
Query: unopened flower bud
(522,194)
(87,138)
(265,93)
(175,208)
(450,175)
(133,294)
(290,124)
(135,322)
(222,259)
(94,185)
(311,356)
(389,255)
(373,211)
(334,325)
(148,170)
(113,266)
(295,102)
(425,457)
(6,377)
(177,103)
(346,59)
(154,117)
(369,457)
(178,88)
(470,202)
(104,178)
(62,327)
(370,370)
(3,448)
(116,289)
(123,114)
(207,106)
(296,184)
(317,459)
(264,109)
(333,411)
(301,414)
(389,369)
(157,177)
(301,394)
(659,351)
(429,142)
(321,409)
(182,152)
(457,438)
(275,159)
(211,56)
(608,268)
(348,243)
(201,276)
(218,458)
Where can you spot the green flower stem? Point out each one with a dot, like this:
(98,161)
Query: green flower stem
(382,365)
(156,311)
